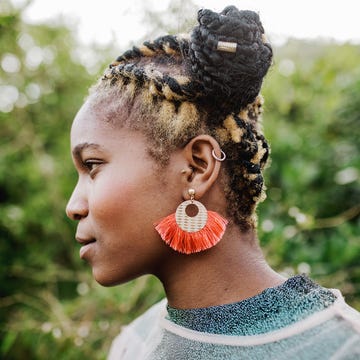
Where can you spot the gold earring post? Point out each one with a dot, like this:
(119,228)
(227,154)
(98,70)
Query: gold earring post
(191,193)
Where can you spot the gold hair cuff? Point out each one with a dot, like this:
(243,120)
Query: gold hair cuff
(226,46)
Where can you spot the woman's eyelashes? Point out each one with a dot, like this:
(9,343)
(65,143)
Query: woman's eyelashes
(92,166)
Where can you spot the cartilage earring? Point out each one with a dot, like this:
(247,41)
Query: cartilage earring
(222,156)
(191,228)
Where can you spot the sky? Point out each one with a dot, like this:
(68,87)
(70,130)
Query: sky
(103,20)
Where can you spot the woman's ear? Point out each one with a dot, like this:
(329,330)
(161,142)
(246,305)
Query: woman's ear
(205,168)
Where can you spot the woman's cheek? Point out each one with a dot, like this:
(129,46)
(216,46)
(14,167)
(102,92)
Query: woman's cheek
(110,198)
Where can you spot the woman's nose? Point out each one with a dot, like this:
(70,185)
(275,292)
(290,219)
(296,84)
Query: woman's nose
(77,206)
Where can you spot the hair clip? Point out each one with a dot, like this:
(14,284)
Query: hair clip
(226,46)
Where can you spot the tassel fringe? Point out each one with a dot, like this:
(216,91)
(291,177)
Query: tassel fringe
(192,242)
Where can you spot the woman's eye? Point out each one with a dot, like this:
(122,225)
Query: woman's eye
(92,165)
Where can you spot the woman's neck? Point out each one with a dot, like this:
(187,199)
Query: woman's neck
(232,271)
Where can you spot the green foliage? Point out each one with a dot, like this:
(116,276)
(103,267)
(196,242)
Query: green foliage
(310,222)
(171,20)
(312,120)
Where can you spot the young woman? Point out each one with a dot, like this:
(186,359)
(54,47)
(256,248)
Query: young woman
(170,154)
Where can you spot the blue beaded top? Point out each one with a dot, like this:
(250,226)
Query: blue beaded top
(272,309)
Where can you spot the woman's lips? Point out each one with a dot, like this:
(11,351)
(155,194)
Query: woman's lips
(86,246)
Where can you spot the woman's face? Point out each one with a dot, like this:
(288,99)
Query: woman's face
(119,195)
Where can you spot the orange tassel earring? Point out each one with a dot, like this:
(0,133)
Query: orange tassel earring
(192,228)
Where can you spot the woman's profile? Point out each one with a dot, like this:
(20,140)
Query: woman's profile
(170,154)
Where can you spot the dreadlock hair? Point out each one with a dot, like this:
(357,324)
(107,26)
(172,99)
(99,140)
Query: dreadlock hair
(177,87)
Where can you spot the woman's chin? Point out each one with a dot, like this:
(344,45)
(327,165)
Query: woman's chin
(109,279)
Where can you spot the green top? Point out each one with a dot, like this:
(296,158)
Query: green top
(273,309)
(298,320)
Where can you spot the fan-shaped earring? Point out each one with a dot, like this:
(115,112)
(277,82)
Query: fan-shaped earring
(191,228)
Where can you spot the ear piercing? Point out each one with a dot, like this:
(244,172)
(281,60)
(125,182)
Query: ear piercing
(220,158)
(184,171)
(222,155)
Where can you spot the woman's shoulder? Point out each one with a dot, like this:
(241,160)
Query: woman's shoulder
(146,321)
(333,330)
(136,333)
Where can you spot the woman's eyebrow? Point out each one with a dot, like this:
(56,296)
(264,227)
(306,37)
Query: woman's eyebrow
(78,149)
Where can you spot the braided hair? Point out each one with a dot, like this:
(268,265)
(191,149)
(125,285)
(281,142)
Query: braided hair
(177,87)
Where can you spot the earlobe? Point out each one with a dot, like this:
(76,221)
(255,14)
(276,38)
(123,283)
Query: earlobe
(199,154)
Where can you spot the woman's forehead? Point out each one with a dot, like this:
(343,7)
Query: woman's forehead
(90,127)
(92,118)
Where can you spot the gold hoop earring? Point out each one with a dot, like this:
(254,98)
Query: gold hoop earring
(222,154)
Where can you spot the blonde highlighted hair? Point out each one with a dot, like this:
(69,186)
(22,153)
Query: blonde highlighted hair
(177,87)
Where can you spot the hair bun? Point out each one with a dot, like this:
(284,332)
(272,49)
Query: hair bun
(229,79)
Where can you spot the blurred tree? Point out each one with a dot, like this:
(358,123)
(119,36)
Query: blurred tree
(311,219)
(178,17)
